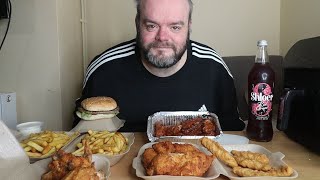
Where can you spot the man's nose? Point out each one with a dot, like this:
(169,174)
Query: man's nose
(162,34)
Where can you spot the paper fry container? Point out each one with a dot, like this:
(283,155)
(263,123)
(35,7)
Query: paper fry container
(176,118)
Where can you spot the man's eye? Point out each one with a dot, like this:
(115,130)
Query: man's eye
(151,27)
(175,28)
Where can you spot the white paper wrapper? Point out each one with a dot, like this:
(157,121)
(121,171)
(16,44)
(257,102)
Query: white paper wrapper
(12,155)
(217,168)
(112,124)
(114,159)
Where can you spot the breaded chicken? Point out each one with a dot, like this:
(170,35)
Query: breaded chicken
(165,158)
(67,166)
(283,171)
(216,149)
(147,156)
(163,147)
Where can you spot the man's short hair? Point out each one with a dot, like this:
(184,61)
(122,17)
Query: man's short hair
(138,5)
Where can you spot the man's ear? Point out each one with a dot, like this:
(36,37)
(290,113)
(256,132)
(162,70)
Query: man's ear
(137,22)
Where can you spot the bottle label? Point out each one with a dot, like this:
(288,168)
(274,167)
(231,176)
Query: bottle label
(261,101)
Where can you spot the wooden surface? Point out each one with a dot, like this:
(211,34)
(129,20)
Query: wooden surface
(306,163)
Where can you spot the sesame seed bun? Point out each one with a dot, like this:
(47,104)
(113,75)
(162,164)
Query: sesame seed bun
(100,103)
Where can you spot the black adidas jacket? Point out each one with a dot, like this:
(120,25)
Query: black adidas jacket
(203,80)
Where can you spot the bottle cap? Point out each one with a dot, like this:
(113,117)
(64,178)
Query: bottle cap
(262,43)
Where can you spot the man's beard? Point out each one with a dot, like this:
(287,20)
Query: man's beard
(161,60)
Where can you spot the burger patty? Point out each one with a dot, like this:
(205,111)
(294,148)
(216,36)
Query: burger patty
(114,111)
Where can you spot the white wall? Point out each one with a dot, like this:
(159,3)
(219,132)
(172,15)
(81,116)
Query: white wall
(109,22)
(29,62)
(70,56)
(232,27)
(299,20)
(39,60)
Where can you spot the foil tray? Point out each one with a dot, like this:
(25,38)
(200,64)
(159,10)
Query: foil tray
(175,118)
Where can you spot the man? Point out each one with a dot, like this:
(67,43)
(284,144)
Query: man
(163,70)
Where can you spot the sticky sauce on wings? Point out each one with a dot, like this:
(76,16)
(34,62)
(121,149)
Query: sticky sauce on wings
(192,127)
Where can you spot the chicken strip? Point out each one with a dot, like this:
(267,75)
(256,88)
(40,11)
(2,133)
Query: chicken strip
(252,160)
(252,164)
(262,158)
(217,150)
(283,171)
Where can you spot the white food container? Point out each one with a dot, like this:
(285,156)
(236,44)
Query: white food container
(217,168)
(114,159)
(212,173)
(72,135)
(29,127)
(109,124)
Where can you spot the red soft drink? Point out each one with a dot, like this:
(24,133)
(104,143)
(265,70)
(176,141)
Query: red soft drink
(261,80)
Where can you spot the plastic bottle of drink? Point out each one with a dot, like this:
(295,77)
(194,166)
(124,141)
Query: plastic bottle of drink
(260,95)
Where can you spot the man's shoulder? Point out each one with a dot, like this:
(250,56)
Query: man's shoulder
(120,50)
(205,53)
(202,51)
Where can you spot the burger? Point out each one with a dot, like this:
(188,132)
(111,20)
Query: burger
(95,108)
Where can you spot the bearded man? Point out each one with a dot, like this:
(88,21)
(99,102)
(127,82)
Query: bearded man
(163,70)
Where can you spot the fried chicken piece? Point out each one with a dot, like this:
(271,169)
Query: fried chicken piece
(283,171)
(164,147)
(66,165)
(184,148)
(173,130)
(148,156)
(192,127)
(161,130)
(209,128)
(63,163)
(83,173)
(165,158)
(47,176)
(179,164)
(217,150)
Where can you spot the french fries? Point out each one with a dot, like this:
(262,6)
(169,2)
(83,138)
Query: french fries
(103,142)
(45,143)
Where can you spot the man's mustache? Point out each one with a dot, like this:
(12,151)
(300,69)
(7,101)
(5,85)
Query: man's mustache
(161,45)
